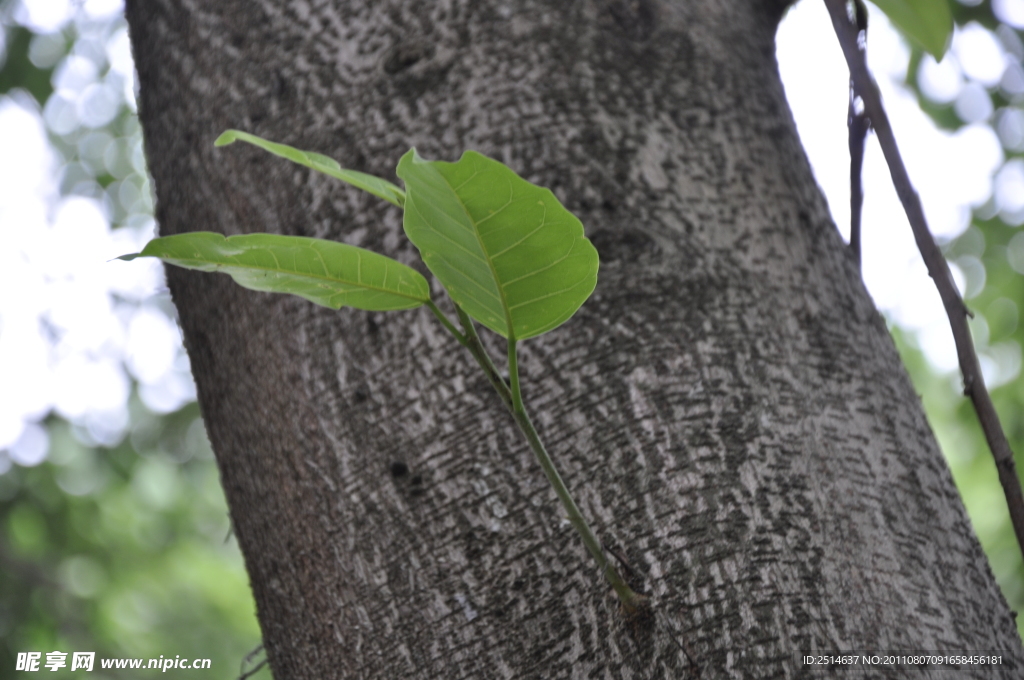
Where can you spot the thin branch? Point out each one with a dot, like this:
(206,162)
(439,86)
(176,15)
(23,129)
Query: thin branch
(244,674)
(858,123)
(956,310)
(255,669)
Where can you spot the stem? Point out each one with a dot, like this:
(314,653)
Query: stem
(513,377)
(476,348)
(630,599)
(513,400)
(447,324)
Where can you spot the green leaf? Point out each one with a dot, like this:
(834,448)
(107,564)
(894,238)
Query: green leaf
(929,23)
(506,250)
(325,272)
(328,166)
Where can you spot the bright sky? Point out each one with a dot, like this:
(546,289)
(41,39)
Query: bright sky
(74,326)
(951,172)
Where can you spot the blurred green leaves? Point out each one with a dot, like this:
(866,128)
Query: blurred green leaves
(118,542)
(20,71)
(138,566)
(985,253)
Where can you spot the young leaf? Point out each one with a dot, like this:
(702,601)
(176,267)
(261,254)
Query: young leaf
(328,166)
(506,250)
(328,273)
(929,23)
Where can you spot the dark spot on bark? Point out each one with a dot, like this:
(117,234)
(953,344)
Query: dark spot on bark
(405,54)
(518,584)
(473,547)
(626,244)
(358,158)
(361,394)
(632,19)
(371,324)
(414,70)
(737,527)
(414,484)
(281,87)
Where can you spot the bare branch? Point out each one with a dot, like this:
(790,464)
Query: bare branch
(858,123)
(244,674)
(956,310)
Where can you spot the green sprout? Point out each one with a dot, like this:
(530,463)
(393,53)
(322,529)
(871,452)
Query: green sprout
(509,255)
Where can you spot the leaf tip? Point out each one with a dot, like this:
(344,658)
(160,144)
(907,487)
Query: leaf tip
(940,52)
(926,23)
(128,258)
(227,137)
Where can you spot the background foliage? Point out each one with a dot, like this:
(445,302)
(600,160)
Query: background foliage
(114,535)
(119,541)
(990,254)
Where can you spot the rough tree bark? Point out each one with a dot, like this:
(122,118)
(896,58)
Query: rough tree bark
(728,408)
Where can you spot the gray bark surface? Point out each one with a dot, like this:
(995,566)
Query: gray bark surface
(728,408)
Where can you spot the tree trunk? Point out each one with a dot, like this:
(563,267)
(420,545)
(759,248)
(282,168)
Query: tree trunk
(728,408)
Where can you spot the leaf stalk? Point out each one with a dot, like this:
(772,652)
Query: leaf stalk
(513,399)
(629,598)
(446,323)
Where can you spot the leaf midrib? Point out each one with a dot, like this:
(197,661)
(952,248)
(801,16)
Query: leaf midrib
(489,258)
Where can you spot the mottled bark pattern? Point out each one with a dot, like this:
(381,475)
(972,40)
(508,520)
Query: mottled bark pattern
(728,408)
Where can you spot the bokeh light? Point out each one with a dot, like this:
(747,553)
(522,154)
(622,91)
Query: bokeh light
(113,525)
